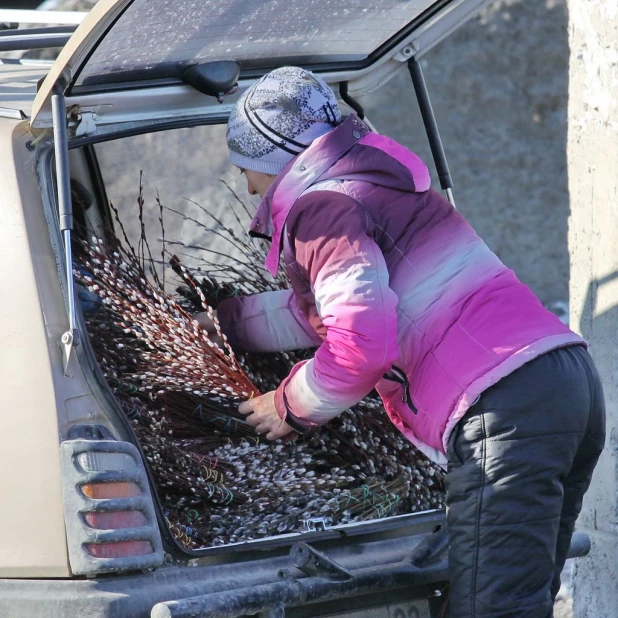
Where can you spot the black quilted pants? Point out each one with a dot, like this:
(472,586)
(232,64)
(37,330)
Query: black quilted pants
(520,461)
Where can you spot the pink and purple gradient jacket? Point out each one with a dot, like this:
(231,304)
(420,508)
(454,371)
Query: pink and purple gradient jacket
(393,286)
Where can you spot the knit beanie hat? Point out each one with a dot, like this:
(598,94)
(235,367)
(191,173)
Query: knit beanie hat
(278,117)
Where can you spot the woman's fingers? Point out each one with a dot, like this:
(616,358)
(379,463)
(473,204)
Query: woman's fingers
(261,403)
(262,416)
(283,429)
(261,421)
(254,420)
(246,407)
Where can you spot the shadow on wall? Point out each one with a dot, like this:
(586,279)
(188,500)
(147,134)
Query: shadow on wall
(499,91)
(605,323)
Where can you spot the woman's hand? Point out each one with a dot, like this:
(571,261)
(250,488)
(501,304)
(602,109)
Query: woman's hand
(263,416)
(207,324)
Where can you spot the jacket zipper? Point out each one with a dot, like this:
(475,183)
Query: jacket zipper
(397,375)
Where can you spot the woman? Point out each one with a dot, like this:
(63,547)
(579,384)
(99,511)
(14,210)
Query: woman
(399,294)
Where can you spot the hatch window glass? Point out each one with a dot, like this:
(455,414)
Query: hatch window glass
(159,38)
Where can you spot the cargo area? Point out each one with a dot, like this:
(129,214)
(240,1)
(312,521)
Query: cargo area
(160,236)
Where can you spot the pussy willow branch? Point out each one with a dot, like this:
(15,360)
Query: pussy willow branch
(219,482)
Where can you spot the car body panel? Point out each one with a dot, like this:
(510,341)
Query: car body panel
(40,400)
(32,533)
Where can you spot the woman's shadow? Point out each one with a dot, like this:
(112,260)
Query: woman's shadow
(601,329)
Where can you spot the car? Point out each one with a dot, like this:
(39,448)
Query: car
(84,531)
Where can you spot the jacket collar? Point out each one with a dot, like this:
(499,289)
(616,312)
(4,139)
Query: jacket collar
(302,172)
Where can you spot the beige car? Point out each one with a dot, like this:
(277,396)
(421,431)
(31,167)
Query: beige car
(71,463)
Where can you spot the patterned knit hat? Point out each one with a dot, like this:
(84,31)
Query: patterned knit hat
(278,117)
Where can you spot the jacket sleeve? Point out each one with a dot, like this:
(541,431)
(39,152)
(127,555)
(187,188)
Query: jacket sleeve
(266,322)
(332,237)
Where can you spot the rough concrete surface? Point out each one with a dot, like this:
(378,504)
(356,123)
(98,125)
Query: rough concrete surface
(593,187)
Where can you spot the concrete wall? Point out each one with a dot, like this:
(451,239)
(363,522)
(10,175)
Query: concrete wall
(593,228)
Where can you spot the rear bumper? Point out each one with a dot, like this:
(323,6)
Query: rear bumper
(135,595)
(415,566)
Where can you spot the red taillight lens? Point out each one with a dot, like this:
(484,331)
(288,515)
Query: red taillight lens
(116,519)
(99,491)
(122,549)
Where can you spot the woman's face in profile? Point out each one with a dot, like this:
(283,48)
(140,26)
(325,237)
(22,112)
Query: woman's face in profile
(257,182)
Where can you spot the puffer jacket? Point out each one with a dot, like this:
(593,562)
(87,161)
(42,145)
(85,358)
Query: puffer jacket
(392,284)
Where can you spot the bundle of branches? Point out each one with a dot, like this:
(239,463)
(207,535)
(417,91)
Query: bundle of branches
(219,483)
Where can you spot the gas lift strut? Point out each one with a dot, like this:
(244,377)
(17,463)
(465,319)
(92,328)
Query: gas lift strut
(431,127)
(65,211)
(429,120)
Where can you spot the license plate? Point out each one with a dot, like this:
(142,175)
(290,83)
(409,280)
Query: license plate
(412,609)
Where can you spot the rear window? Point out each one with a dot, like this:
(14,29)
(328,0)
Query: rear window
(159,38)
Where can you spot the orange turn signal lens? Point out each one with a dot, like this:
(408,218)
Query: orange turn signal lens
(122,549)
(114,520)
(99,491)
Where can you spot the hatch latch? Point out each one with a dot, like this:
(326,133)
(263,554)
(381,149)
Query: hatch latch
(86,124)
(314,524)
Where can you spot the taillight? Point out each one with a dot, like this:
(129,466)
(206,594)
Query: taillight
(115,519)
(120,550)
(109,514)
(99,462)
(100,491)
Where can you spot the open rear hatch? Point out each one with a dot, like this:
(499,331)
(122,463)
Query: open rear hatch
(127,70)
(126,60)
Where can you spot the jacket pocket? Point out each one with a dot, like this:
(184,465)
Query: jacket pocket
(398,375)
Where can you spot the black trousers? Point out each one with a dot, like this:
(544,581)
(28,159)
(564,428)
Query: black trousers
(520,461)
